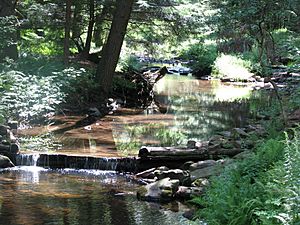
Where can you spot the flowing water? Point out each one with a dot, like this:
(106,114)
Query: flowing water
(35,196)
(185,109)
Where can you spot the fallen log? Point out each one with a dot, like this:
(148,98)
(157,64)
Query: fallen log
(172,153)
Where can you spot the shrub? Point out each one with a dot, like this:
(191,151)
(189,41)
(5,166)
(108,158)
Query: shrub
(130,63)
(200,55)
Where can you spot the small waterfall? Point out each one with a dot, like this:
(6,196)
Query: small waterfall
(102,163)
(27,159)
(60,161)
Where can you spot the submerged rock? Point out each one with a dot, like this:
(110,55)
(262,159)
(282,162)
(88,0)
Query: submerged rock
(5,162)
(161,190)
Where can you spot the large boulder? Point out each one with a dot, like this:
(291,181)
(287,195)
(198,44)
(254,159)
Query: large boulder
(161,190)
(206,172)
(5,162)
(214,169)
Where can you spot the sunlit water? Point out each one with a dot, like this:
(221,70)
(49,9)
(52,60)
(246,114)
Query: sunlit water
(186,108)
(33,195)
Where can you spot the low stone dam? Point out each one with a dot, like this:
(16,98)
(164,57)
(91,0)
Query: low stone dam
(61,161)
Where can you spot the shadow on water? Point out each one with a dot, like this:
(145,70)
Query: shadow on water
(33,195)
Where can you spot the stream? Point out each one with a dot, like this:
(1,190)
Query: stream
(186,109)
(34,195)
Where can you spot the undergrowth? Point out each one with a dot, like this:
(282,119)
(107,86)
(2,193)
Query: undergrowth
(262,189)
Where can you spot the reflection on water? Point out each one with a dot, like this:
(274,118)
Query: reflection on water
(32,195)
(185,108)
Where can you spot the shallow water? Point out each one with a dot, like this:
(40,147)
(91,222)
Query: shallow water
(186,108)
(33,196)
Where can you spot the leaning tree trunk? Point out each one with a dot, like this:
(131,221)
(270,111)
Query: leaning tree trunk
(8,45)
(112,48)
(67,31)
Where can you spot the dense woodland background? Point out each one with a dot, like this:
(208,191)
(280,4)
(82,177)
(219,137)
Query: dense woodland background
(74,54)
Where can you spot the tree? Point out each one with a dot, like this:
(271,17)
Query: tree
(112,48)
(8,28)
(67,31)
(245,22)
(88,41)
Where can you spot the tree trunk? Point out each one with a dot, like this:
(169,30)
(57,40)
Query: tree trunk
(98,32)
(87,47)
(67,32)
(112,48)
(8,47)
(77,26)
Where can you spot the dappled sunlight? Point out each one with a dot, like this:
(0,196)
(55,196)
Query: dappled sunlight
(232,67)
(229,93)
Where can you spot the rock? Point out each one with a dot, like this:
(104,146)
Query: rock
(189,214)
(196,144)
(244,155)
(202,164)
(182,175)
(163,168)
(240,132)
(5,162)
(186,165)
(201,182)
(13,124)
(161,190)
(206,172)
(228,145)
(4,130)
(14,148)
(226,134)
(189,192)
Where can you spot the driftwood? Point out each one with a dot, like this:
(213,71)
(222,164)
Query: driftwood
(171,153)
(142,94)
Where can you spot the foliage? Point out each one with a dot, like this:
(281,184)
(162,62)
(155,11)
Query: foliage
(28,97)
(41,42)
(235,195)
(33,89)
(249,22)
(202,55)
(287,46)
(233,67)
(8,27)
(130,64)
